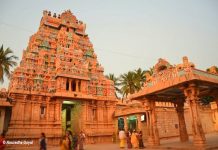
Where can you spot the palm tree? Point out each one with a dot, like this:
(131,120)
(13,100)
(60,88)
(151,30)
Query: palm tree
(150,71)
(128,81)
(116,82)
(6,62)
(140,78)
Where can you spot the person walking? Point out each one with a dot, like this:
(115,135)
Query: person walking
(141,144)
(128,140)
(134,139)
(42,142)
(75,141)
(70,137)
(64,143)
(122,137)
(81,140)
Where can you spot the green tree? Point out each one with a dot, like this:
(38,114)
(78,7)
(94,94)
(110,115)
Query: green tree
(140,78)
(206,100)
(116,83)
(150,71)
(128,82)
(7,61)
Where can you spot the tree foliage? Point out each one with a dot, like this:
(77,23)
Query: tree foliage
(128,83)
(7,61)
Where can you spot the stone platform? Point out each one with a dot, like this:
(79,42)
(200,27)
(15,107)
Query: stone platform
(166,144)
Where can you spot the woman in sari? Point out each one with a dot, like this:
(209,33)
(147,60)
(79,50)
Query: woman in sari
(134,140)
(128,140)
(122,137)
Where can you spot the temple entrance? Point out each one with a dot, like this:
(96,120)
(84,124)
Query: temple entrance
(132,123)
(120,123)
(70,116)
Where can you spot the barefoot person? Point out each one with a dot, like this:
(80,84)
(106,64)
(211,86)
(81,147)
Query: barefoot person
(122,137)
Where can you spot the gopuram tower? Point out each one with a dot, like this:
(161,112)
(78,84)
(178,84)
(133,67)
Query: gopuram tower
(59,85)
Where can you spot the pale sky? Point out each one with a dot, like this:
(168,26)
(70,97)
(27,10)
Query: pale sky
(126,34)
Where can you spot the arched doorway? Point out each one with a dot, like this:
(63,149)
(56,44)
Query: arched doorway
(132,123)
(120,123)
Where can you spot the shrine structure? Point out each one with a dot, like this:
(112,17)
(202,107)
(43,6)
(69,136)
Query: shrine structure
(177,84)
(59,85)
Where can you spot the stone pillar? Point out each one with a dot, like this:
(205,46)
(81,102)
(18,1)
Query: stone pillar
(139,122)
(2,118)
(192,93)
(125,123)
(77,86)
(47,106)
(57,110)
(147,123)
(150,131)
(116,129)
(182,126)
(153,138)
(70,84)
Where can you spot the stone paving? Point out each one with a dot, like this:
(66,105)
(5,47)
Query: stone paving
(166,144)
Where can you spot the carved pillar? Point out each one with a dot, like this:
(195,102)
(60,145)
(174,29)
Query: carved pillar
(192,93)
(70,85)
(147,123)
(153,138)
(139,122)
(125,123)
(150,131)
(116,128)
(57,110)
(77,86)
(47,110)
(182,126)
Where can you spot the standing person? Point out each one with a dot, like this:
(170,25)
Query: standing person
(2,139)
(64,144)
(141,144)
(42,142)
(134,139)
(122,137)
(128,140)
(75,141)
(70,136)
(81,140)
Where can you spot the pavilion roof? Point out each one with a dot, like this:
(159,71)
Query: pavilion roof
(165,85)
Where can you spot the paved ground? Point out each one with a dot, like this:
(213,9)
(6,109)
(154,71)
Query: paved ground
(166,144)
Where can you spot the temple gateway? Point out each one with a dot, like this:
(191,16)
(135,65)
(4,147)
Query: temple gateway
(59,85)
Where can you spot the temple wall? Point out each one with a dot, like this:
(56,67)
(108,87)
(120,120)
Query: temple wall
(2,118)
(167,122)
(168,126)
(98,124)
(27,122)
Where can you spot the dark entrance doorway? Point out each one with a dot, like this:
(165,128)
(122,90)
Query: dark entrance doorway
(70,116)
(132,123)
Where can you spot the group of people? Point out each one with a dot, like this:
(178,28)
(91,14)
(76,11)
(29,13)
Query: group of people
(132,139)
(68,142)
(73,141)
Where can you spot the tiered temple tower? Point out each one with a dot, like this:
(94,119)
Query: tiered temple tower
(60,85)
